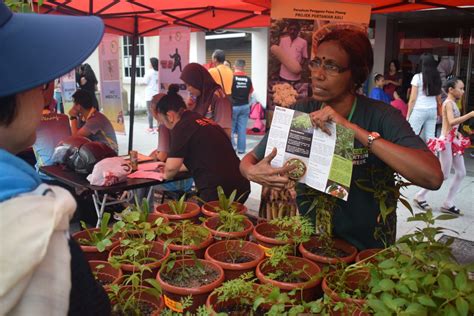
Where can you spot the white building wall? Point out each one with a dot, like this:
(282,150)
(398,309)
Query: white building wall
(260,63)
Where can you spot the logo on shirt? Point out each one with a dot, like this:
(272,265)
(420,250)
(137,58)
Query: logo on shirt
(359,156)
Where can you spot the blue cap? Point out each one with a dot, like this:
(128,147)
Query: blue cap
(38,48)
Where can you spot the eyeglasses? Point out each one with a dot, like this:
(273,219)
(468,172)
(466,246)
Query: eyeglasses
(329,68)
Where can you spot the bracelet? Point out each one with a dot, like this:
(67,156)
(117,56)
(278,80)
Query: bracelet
(373,136)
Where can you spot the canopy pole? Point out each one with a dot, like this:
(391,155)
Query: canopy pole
(133,76)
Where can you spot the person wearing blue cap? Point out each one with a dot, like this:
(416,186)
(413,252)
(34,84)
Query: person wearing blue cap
(44,271)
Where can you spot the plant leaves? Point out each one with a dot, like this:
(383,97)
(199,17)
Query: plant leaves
(461,281)
(445,282)
(386,285)
(426,301)
(462,306)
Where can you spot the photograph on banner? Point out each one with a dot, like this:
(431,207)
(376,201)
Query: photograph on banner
(110,82)
(295,30)
(68,87)
(174,56)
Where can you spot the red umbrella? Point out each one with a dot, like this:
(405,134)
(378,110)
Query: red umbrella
(146,17)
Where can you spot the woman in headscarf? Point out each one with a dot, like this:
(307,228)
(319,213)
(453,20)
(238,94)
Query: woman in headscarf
(210,99)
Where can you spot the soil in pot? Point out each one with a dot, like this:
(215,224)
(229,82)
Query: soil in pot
(235,257)
(199,288)
(342,252)
(307,283)
(149,305)
(192,212)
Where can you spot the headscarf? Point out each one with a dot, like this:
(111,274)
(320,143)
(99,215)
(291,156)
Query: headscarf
(197,76)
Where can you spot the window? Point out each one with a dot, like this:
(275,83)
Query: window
(127,57)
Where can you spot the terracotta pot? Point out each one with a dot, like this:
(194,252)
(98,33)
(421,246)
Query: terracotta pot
(91,252)
(219,252)
(353,306)
(366,253)
(213,222)
(214,307)
(209,209)
(198,249)
(264,233)
(309,288)
(141,295)
(173,294)
(192,212)
(327,261)
(157,252)
(106,274)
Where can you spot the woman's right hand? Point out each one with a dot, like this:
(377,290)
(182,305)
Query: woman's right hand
(263,173)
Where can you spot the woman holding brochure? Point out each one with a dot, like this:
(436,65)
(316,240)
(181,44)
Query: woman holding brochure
(384,141)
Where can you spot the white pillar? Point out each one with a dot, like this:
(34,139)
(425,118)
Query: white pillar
(380,46)
(260,64)
(197,48)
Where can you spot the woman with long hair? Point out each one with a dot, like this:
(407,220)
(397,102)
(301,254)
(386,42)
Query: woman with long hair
(87,81)
(210,99)
(450,145)
(424,98)
(201,146)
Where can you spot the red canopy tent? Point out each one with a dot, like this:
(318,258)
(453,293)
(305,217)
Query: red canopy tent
(146,17)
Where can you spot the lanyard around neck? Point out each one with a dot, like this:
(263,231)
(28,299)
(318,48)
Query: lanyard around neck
(354,105)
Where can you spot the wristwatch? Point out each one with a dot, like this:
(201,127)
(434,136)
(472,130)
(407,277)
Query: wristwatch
(373,136)
(72,118)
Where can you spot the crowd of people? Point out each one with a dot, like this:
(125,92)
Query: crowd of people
(198,135)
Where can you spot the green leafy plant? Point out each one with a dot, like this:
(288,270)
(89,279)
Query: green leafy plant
(125,297)
(227,204)
(103,237)
(178,207)
(420,277)
(231,221)
(283,266)
(297,228)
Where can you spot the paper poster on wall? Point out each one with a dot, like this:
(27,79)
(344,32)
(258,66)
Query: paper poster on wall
(68,87)
(110,83)
(295,29)
(173,57)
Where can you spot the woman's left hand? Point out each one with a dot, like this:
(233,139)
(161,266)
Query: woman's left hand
(326,115)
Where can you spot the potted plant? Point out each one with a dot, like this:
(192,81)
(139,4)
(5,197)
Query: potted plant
(236,257)
(97,242)
(229,224)
(419,275)
(290,273)
(187,237)
(224,203)
(184,275)
(179,210)
(105,273)
(323,248)
(281,231)
(132,298)
(138,249)
(240,296)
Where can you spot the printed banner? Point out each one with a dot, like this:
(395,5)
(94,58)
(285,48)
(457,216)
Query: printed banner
(110,83)
(174,55)
(324,162)
(68,87)
(295,29)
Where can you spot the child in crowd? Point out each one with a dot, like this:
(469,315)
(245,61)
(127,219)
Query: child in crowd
(451,145)
(377,92)
(398,102)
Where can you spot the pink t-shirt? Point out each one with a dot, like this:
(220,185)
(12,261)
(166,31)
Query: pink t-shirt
(401,106)
(297,49)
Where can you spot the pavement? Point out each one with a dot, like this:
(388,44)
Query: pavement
(462,227)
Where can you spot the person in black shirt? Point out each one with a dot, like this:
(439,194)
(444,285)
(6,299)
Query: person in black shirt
(384,142)
(201,146)
(241,90)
